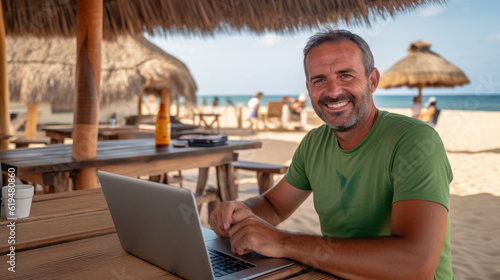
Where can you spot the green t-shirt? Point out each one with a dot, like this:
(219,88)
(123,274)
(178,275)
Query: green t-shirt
(400,159)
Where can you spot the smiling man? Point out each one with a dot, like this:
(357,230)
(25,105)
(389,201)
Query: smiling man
(380,181)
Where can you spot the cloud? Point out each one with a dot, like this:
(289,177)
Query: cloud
(495,38)
(431,11)
(268,40)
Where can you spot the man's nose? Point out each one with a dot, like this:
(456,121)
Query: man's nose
(334,89)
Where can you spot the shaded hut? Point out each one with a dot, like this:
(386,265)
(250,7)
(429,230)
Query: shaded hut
(422,68)
(42,70)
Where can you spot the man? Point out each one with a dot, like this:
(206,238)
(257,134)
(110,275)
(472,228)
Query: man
(380,180)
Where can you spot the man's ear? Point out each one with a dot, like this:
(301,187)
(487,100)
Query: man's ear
(374,79)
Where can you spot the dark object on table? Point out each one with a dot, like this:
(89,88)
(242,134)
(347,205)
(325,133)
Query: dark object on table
(197,140)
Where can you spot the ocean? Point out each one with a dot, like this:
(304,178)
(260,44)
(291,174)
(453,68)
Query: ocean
(474,102)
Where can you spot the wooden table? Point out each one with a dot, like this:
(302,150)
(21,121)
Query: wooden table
(54,167)
(203,120)
(57,133)
(71,236)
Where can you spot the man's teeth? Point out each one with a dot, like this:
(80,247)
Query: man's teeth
(338,105)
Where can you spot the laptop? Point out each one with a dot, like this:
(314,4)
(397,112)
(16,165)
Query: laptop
(160,224)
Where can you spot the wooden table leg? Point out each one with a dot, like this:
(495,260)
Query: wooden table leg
(218,124)
(202,182)
(225,182)
(57,182)
(265,181)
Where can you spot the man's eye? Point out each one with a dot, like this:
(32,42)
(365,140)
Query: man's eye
(319,82)
(346,76)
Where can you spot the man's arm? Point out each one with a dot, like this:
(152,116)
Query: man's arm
(275,206)
(412,251)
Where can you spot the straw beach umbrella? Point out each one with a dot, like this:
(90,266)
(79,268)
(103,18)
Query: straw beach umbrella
(90,20)
(199,17)
(42,70)
(422,68)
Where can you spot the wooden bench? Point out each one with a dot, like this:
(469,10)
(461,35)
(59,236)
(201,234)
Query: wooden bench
(24,143)
(264,171)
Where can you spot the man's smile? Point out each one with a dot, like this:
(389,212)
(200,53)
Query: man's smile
(337,105)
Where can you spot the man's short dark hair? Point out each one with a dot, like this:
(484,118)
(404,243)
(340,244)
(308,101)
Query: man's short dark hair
(334,36)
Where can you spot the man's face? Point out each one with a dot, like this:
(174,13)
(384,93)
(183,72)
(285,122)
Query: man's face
(339,90)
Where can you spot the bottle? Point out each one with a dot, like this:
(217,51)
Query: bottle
(163,122)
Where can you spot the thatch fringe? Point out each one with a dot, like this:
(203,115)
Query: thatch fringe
(422,68)
(43,70)
(199,17)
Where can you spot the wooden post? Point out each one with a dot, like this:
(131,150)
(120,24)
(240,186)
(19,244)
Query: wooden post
(88,71)
(164,92)
(31,121)
(4,88)
(139,109)
(178,108)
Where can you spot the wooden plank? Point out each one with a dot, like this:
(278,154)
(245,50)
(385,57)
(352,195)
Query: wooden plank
(51,196)
(92,258)
(260,167)
(63,207)
(283,273)
(100,257)
(160,166)
(4,89)
(53,231)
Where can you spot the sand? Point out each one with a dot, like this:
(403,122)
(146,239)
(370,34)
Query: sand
(472,141)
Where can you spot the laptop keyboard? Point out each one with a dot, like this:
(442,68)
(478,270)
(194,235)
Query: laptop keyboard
(223,264)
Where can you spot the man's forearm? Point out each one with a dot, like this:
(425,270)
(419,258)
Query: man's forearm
(261,207)
(368,258)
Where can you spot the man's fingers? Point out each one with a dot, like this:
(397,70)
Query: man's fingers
(227,215)
(241,214)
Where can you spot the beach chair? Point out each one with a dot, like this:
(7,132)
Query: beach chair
(274,114)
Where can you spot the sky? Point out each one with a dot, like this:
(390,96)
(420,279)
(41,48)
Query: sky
(464,32)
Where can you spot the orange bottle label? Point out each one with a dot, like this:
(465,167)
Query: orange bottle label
(163,124)
(162,134)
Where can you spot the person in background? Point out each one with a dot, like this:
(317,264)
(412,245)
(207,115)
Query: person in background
(253,106)
(294,107)
(215,104)
(416,107)
(380,180)
(428,114)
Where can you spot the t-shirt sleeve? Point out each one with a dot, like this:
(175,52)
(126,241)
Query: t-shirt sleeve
(421,169)
(296,174)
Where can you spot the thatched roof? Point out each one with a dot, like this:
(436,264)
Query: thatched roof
(58,17)
(422,68)
(43,70)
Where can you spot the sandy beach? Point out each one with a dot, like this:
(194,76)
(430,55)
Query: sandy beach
(471,141)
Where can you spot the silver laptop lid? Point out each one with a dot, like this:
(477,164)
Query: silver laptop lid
(158,223)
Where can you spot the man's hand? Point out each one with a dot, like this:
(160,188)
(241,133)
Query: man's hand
(227,214)
(255,234)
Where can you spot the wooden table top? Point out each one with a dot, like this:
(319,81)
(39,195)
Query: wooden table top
(71,236)
(109,132)
(59,156)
